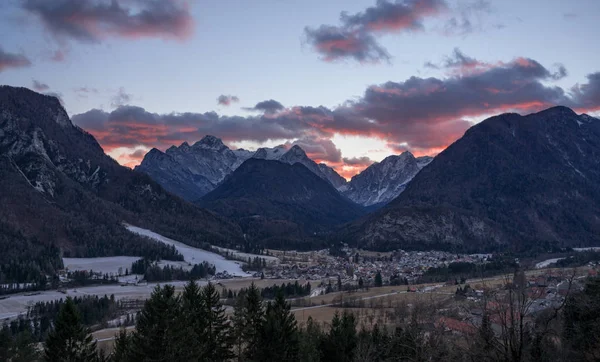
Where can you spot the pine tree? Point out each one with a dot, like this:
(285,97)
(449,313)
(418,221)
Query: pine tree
(239,325)
(216,339)
(378,279)
(191,323)
(70,340)
(253,321)
(310,341)
(153,338)
(279,332)
(121,350)
(340,342)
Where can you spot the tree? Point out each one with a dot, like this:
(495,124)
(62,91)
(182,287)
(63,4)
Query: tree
(216,338)
(309,342)
(70,340)
(378,279)
(121,350)
(279,332)
(340,342)
(153,338)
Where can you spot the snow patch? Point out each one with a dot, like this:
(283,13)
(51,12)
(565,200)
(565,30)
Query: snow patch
(546,263)
(194,255)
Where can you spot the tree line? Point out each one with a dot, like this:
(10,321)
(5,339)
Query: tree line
(193,326)
(155,273)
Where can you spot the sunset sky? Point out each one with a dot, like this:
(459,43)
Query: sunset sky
(350,81)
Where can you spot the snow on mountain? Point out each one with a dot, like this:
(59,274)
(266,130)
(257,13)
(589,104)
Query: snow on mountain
(382,182)
(192,171)
(265,153)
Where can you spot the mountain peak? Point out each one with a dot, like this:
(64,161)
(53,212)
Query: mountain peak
(209,141)
(296,151)
(21,98)
(559,110)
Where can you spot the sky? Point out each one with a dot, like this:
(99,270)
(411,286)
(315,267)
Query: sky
(351,82)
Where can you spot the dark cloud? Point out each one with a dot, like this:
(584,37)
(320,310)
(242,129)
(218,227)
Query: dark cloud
(459,59)
(570,16)
(319,149)
(92,20)
(358,161)
(39,86)
(226,100)
(560,73)
(121,98)
(12,60)
(138,154)
(398,16)
(268,106)
(335,43)
(354,38)
(586,97)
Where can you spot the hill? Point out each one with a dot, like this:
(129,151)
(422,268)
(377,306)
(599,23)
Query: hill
(273,199)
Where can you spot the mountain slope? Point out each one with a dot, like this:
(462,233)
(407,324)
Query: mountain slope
(383,181)
(525,182)
(271,198)
(48,161)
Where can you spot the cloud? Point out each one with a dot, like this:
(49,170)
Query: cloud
(58,55)
(335,43)
(355,37)
(319,149)
(90,21)
(12,60)
(397,16)
(226,100)
(121,98)
(358,161)
(39,86)
(423,115)
(269,106)
(467,18)
(586,97)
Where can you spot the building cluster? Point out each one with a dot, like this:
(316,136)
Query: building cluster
(405,266)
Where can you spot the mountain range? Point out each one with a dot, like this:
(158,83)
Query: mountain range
(193,171)
(511,182)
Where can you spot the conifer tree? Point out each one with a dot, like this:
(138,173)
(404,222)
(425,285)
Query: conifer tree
(310,340)
(70,340)
(378,279)
(341,340)
(191,324)
(153,338)
(279,333)
(253,319)
(216,339)
(121,349)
